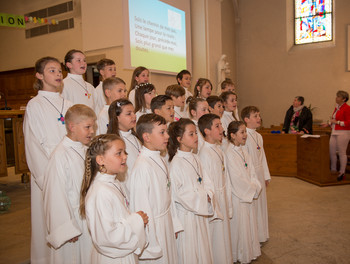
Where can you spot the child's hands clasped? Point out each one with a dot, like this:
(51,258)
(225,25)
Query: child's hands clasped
(74,239)
(144,217)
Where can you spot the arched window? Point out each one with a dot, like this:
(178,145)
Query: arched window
(313,21)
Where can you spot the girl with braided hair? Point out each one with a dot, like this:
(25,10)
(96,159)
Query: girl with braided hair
(117,234)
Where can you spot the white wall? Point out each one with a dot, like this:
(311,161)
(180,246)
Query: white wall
(270,73)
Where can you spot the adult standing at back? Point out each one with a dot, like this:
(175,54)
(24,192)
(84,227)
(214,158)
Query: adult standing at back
(298,119)
(340,136)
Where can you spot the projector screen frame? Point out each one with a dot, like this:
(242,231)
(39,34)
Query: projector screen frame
(183,5)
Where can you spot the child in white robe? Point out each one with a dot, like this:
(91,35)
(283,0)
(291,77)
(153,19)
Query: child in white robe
(116,232)
(106,69)
(196,108)
(216,105)
(245,188)
(144,93)
(228,86)
(150,191)
(184,79)
(40,140)
(163,105)
(255,147)
(67,233)
(203,88)
(178,94)
(122,121)
(140,75)
(114,89)
(75,88)
(192,191)
(214,163)
(230,105)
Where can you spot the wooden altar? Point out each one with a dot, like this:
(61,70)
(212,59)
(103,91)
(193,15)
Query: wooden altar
(304,158)
(18,138)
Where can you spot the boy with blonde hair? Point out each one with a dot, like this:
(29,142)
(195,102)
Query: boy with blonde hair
(68,235)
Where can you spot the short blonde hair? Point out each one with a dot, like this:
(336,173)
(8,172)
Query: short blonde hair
(110,83)
(78,113)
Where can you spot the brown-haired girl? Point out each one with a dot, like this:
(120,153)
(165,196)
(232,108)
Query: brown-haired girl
(245,187)
(230,105)
(192,192)
(116,233)
(44,128)
(76,89)
(144,94)
(122,122)
(140,75)
(203,88)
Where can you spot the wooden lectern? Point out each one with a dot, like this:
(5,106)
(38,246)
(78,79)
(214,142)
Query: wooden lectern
(18,138)
(314,162)
(304,158)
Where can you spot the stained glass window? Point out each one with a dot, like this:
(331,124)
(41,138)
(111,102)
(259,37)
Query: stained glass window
(313,21)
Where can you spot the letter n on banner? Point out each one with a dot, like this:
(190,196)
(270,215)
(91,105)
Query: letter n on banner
(8,20)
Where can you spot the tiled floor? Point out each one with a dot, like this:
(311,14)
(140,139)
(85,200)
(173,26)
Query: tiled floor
(308,224)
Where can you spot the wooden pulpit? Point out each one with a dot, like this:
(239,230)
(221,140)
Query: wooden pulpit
(18,138)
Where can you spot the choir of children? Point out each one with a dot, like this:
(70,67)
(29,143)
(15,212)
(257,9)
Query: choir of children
(114,198)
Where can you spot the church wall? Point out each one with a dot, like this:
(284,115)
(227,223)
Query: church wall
(271,71)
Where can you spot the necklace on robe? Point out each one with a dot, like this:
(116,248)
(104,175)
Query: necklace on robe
(243,158)
(176,118)
(256,141)
(78,153)
(137,146)
(165,172)
(221,158)
(85,88)
(61,118)
(122,193)
(199,179)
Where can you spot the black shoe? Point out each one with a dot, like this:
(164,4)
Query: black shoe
(341,177)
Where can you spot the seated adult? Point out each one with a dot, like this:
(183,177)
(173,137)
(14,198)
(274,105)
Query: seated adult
(298,118)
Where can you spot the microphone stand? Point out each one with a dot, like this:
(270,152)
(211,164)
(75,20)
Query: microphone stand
(4,108)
